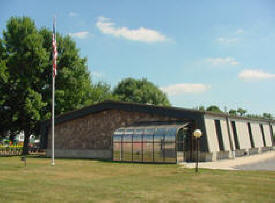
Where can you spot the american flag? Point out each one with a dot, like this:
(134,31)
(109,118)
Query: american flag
(54,51)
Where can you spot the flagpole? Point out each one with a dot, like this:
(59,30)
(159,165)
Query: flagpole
(53,94)
(53,121)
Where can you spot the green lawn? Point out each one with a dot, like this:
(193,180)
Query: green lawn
(74,180)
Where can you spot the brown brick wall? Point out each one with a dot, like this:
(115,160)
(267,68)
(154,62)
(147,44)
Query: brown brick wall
(95,130)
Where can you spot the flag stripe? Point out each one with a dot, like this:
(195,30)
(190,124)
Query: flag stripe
(54,52)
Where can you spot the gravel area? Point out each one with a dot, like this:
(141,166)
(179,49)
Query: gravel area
(264,161)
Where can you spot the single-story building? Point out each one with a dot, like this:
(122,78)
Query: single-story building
(131,132)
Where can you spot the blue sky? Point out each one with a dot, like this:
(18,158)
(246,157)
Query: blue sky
(198,52)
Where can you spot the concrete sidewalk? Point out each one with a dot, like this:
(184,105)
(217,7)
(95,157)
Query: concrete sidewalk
(234,164)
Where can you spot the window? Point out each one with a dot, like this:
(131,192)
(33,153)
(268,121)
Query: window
(237,145)
(250,135)
(262,130)
(147,151)
(137,145)
(117,138)
(147,143)
(148,135)
(180,140)
(159,134)
(127,138)
(219,134)
(170,136)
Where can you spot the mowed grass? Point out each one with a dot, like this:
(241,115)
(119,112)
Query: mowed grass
(74,180)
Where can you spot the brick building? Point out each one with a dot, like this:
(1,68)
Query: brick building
(146,133)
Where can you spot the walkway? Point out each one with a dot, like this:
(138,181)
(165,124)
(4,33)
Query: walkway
(264,161)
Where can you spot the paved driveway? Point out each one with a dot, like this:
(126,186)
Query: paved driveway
(268,164)
(264,161)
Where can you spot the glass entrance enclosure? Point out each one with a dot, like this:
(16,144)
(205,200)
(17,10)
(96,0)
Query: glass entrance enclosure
(158,144)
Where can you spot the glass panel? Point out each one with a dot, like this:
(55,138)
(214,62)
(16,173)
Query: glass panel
(127,138)
(116,138)
(149,130)
(170,152)
(116,152)
(137,152)
(180,140)
(147,152)
(137,137)
(139,131)
(170,136)
(159,134)
(148,138)
(158,151)
(119,131)
(127,151)
(129,131)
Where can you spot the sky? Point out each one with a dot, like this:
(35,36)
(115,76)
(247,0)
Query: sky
(199,52)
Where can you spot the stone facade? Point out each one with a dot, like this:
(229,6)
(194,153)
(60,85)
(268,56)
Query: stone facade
(91,136)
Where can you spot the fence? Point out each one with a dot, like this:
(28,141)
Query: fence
(11,151)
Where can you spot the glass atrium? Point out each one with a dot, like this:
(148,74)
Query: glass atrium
(160,144)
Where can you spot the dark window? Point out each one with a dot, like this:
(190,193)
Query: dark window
(237,145)
(250,135)
(271,133)
(262,130)
(219,134)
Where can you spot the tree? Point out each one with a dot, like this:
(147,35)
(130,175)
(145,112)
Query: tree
(25,60)
(214,108)
(201,108)
(267,115)
(241,111)
(99,92)
(26,77)
(253,116)
(233,112)
(140,91)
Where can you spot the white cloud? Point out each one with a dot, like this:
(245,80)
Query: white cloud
(223,61)
(73,14)
(177,89)
(254,75)
(227,41)
(239,31)
(141,34)
(80,35)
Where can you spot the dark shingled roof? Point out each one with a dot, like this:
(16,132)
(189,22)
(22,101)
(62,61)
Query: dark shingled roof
(131,107)
(176,112)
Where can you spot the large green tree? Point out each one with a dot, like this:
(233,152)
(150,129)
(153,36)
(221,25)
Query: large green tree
(140,91)
(26,77)
(25,60)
